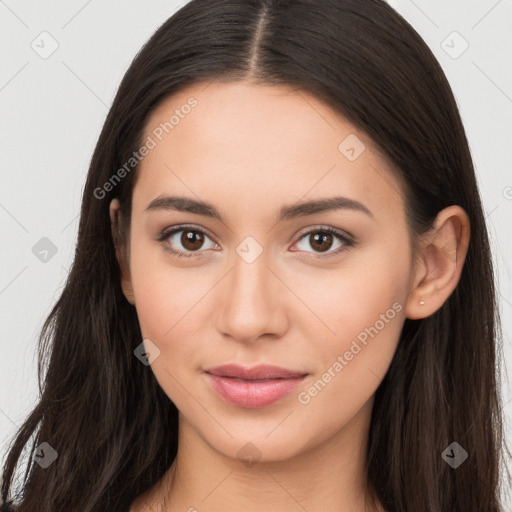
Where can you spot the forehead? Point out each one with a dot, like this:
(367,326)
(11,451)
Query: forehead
(270,143)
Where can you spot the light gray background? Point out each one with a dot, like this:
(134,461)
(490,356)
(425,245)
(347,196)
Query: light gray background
(52,110)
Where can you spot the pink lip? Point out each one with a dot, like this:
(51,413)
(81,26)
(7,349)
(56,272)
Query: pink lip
(253,387)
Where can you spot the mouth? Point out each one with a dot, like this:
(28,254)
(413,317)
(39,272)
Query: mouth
(260,372)
(255,387)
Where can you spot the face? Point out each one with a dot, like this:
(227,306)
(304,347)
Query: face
(318,291)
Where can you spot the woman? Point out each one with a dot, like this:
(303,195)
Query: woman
(205,353)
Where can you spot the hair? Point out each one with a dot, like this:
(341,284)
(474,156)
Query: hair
(113,427)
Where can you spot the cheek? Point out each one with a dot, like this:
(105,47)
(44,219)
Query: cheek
(165,301)
(171,303)
(165,295)
(347,300)
(362,308)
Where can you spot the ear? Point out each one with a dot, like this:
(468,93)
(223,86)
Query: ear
(441,255)
(121,251)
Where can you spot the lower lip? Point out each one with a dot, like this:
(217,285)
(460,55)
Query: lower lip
(244,393)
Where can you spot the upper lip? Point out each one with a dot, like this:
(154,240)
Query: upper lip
(262,371)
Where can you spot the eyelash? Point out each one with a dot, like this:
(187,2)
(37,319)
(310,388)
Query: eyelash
(348,242)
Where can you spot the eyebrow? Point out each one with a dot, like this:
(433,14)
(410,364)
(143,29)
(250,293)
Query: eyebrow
(187,204)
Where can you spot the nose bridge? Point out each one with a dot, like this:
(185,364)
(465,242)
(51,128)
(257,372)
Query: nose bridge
(250,278)
(250,296)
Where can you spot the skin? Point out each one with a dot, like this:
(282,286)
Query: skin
(249,150)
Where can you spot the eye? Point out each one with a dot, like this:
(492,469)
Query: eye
(187,239)
(191,239)
(323,238)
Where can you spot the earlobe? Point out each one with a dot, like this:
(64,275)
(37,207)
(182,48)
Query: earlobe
(115,225)
(441,258)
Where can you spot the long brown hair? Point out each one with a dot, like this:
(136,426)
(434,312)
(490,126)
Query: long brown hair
(113,427)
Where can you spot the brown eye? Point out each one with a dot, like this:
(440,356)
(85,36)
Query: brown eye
(191,240)
(184,241)
(322,240)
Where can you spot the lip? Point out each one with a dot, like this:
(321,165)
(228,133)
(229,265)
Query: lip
(254,387)
(262,371)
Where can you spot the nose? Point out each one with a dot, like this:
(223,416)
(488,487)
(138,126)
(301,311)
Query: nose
(251,301)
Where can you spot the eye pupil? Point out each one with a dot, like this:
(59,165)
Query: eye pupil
(319,238)
(192,240)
